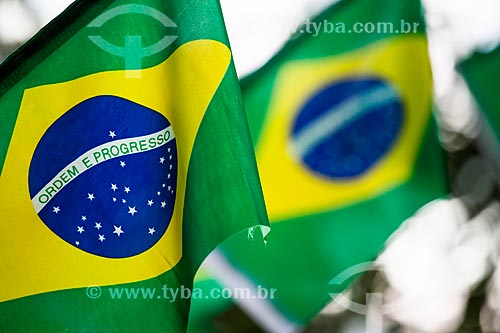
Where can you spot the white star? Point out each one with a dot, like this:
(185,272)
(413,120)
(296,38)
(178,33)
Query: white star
(77,243)
(102,238)
(159,193)
(80,230)
(168,176)
(127,189)
(151,231)
(170,157)
(114,187)
(98,226)
(123,164)
(112,134)
(56,210)
(163,204)
(150,203)
(172,191)
(169,150)
(114,199)
(124,201)
(169,188)
(164,185)
(91,196)
(132,211)
(171,166)
(84,218)
(118,230)
(162,160)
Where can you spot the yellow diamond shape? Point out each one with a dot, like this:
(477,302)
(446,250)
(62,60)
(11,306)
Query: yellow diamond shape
(35,260)
(290,189)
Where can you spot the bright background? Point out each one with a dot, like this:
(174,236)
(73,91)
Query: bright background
(442,248)
(258,28)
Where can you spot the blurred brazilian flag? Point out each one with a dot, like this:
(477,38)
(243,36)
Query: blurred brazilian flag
(341,120)
(482,73)
(119,122)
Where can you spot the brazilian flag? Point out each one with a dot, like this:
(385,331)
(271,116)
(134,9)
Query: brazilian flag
(125,158)
(482,72)
(346,145)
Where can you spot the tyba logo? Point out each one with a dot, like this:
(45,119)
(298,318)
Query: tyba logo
(103,177)
(347,127)
(133,51)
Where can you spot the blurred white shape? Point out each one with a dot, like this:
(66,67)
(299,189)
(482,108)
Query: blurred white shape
(442,58)
(459,107)
(47,10)
(431,315)
(258,29)
(434,261)
(472,256)
(16,23)
(416,251)
(472,24)
(456,28)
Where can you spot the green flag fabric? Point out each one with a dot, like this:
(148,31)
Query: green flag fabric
(481,71)
(341,120)
(125,158)
(204,311)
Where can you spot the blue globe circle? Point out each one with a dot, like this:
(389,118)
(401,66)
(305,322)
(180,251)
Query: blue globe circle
(103,179)
(344,129)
